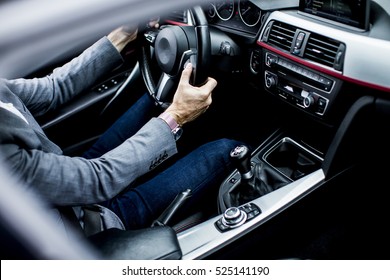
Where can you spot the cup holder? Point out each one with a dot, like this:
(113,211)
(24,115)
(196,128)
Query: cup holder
(292,159)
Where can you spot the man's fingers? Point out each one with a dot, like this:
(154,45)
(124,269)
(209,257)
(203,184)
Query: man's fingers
(153,24)
(186,74)
(130,29)
(210,84)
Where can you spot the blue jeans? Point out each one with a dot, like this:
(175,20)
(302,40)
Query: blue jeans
(201,170)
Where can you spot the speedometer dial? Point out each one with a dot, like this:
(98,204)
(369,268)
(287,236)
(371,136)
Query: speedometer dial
(224,9)
(249,12)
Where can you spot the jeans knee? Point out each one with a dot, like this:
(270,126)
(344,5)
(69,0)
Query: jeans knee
(226,145)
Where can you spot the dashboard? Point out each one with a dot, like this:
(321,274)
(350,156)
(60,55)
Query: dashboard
(307,60)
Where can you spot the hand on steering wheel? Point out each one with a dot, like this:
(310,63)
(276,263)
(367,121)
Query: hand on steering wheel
(173,47)
(190,102)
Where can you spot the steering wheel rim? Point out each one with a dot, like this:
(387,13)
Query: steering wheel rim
(173,47)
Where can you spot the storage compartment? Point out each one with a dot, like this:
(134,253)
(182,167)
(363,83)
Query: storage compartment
(291,159)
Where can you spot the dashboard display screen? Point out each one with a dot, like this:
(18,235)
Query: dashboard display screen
(350,12)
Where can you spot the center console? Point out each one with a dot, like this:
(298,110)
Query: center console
(277,163)
(287,170)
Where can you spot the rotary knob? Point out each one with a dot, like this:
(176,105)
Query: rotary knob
(271,60)
(270,80)
(233,217)
(308,101)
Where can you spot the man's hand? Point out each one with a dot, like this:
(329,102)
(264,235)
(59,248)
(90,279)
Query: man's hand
(190,102)
(123,35)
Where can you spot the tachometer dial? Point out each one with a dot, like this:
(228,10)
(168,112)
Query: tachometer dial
(224,9)
(249,12)
(210,10)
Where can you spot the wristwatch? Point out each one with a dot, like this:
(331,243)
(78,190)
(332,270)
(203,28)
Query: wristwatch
(176,129)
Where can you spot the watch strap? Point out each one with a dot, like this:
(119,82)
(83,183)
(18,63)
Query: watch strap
(175,127)
(169,120)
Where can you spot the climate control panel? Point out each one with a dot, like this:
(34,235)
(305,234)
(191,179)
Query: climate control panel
(301,86)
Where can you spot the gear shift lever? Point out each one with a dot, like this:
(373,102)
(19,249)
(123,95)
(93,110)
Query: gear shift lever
(241,155)
(255,180)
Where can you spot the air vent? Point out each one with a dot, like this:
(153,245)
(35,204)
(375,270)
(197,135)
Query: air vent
(281,35)
(325,51)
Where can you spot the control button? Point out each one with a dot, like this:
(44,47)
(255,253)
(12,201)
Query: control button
(270,80)
(289,89)
(221,226)
(151,36)
(308,101)
(255,61)
(321,104)
(225,48)
(271,59)
(327,84)
(233,180)
(252,210)
(300,38)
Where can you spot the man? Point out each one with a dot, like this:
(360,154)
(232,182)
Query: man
(109,173)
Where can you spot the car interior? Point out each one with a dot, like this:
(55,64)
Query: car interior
(303,83)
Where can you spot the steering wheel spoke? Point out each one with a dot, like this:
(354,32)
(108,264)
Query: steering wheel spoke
(150,36)
(165,86)
(173,46)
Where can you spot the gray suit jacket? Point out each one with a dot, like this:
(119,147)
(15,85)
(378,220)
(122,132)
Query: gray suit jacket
(39,163)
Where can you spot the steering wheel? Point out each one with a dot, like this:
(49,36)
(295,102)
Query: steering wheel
(173,47)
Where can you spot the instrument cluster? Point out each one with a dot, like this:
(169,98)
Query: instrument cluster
(241,15)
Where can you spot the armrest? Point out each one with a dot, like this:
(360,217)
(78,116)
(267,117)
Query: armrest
(155,243)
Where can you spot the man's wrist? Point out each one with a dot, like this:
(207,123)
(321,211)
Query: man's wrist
(167,117)
(174,126)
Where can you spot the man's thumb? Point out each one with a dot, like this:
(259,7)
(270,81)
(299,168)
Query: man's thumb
(186,74)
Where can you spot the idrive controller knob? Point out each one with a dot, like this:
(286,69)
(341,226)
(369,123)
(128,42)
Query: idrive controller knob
(233,217)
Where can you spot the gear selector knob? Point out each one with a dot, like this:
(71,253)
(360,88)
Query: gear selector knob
(241,155)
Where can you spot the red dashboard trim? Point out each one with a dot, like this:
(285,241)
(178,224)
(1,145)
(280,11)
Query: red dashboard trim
(176,22)
(324,70)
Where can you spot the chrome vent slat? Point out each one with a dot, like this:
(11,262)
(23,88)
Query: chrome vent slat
(325,56)
(282,35)
(321,49)
(320,60)
(318,42)
(315,47)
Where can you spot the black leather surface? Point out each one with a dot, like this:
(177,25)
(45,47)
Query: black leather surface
(264,180)
(155,243)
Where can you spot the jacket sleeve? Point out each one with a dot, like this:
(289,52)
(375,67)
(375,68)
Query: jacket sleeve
(41,95)
(64,180)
